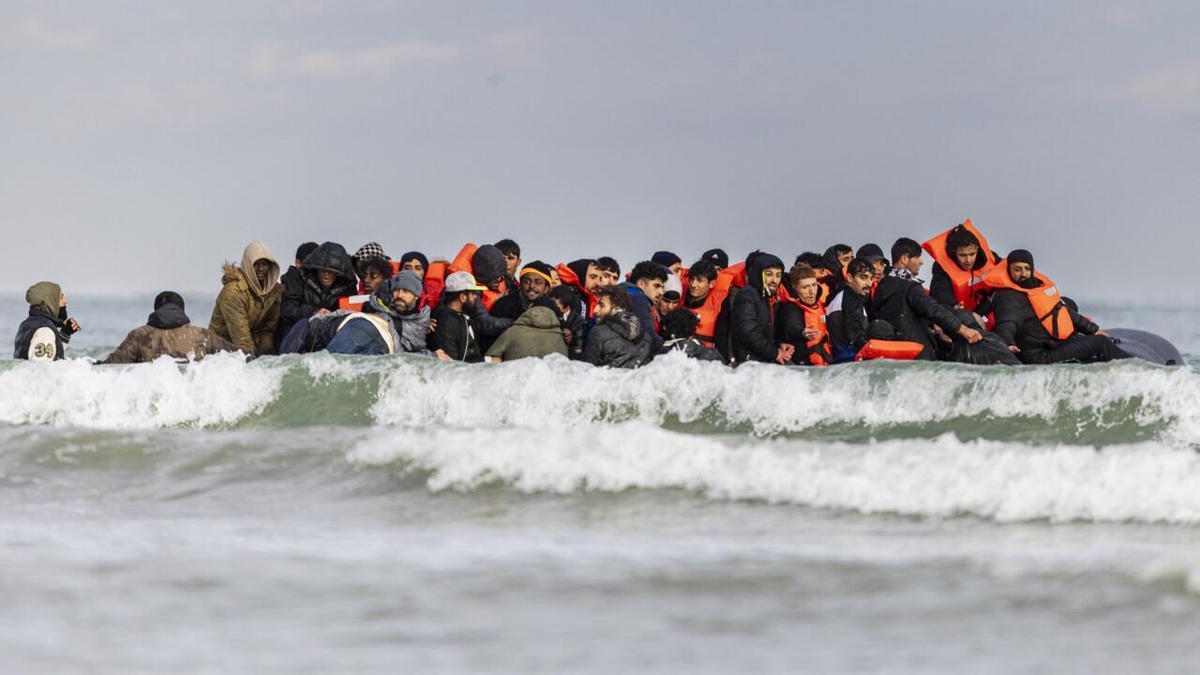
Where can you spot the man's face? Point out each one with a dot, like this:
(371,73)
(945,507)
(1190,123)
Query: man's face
(493,285)
(554,280)
(965,256)
(62,300)
(1020,271)
(374,279)
(261,268)
(880,267)
(470,298)
(676,268)
(653,288)
(611,278)
(861,283)
(324,277)
(807,290)
(533,287)
(772,277)
(604,308)
(912,263)
(593,280)
(513,261)
(414,266)
(664,305)
(699,286)
(845,257)
(403,300)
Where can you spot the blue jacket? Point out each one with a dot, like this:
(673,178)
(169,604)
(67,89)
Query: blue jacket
(641,307)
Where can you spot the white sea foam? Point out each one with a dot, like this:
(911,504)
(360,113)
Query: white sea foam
(219,390)
(944,477)
(770,400)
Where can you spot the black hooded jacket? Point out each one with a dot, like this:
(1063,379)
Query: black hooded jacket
(619,341)
(752,316)
(303,294)
(904,304)
(846,320)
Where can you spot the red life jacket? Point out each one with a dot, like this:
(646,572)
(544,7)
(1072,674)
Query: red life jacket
(967,283)
(895,350)
(1046,302)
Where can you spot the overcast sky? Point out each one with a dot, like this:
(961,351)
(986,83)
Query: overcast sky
(143,143)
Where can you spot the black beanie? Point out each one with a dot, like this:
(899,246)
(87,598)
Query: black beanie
(1020,255)
(717,257)
(870,252)
(168,298)
(415,255)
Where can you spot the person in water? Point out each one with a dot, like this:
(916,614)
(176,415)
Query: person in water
(247,309)
(45,333)
(619,339)
(753,314)
(1033,320)
(326,275)
(536,333)
(168,332)
(453,338)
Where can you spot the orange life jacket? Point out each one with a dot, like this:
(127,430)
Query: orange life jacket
(820,349)
(1046,302)
(966,282)
(895,350)
(710,311)
(354,303)
(567,277)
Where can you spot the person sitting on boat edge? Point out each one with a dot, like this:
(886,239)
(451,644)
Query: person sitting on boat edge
(45,333)
(391,322)
(168,332)
(1032,318)
(247,309)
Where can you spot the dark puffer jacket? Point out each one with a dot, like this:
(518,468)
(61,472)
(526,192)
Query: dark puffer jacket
(303,294)
(619,342)
(904,304)
(752,316)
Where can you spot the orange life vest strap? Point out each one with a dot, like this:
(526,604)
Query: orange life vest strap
(1045,300)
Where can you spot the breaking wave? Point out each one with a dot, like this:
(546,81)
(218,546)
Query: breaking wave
(1091,405)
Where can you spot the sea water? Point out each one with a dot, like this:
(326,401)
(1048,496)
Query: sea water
(337,514)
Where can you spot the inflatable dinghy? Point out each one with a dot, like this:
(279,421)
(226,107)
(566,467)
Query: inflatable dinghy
(1146,346)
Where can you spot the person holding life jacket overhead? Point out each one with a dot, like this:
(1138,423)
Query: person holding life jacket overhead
(961,258)
(1033,320)
(802,318)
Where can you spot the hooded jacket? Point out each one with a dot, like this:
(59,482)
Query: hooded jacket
(42,335)
(246,313)
(168,332)
(303,294)
(643,309)
(619,341)
(752,315)
(846,319)
(535,334)
(904,304)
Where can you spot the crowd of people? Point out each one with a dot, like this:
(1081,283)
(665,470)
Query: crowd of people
(488,305)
